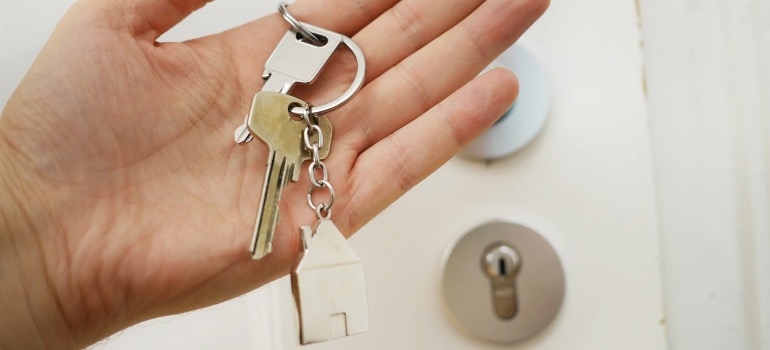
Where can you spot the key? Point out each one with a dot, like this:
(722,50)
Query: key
(329,286)
(294,61)
(270,121)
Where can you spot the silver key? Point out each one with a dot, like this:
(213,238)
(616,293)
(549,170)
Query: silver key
(270,121)
(294,61)
(329,286)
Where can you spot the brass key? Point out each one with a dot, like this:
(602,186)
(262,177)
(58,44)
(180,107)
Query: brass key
(271,121)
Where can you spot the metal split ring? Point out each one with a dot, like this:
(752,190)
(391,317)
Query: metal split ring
(324,184)
(306,116)
(298,27)
(321,209)
(307,31)
(355,86)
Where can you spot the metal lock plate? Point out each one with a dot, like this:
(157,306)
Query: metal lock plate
(501,260)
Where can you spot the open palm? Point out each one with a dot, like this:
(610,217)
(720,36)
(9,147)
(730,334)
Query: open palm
(126,143)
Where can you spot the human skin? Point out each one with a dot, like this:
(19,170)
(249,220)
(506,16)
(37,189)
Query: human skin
(123,196)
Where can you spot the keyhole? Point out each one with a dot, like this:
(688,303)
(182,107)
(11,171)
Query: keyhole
(501,264)
(502,268)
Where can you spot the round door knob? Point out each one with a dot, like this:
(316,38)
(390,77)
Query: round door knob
(521,123)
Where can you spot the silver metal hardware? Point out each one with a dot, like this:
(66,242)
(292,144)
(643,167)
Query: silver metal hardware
(355,86)
(323,210)
(329,286)
(503,282)
(326,206)
(294,61)
(328,279)
(283,8)
(501,263)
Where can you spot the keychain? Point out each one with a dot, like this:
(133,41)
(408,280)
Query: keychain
(328,281)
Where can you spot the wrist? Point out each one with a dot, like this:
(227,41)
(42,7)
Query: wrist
(31,316)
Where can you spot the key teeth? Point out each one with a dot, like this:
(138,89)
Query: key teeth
(295,173)
(258,255)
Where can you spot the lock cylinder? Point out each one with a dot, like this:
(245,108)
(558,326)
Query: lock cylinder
(503,282)
(501,264)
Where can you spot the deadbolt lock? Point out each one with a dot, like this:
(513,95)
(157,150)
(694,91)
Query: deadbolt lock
(503,282)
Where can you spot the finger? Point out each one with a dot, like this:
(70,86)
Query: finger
(407,27)
(146,19)
(396,34)
(395,164)
(257,39)
(436,71)
(346,17)
(342,16)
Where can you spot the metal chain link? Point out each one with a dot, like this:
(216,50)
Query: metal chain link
(323,210)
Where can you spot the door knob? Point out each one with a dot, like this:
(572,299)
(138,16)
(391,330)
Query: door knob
(521,123)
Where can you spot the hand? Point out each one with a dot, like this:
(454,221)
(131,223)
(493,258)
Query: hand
(126,198)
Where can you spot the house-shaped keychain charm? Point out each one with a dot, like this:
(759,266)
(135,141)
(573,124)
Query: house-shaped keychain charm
(329,286)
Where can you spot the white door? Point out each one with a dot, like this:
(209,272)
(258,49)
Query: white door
(600,183)
(586,184)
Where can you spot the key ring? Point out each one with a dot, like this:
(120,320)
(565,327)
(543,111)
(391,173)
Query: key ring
(283,8)
(306,30)
(355,86)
